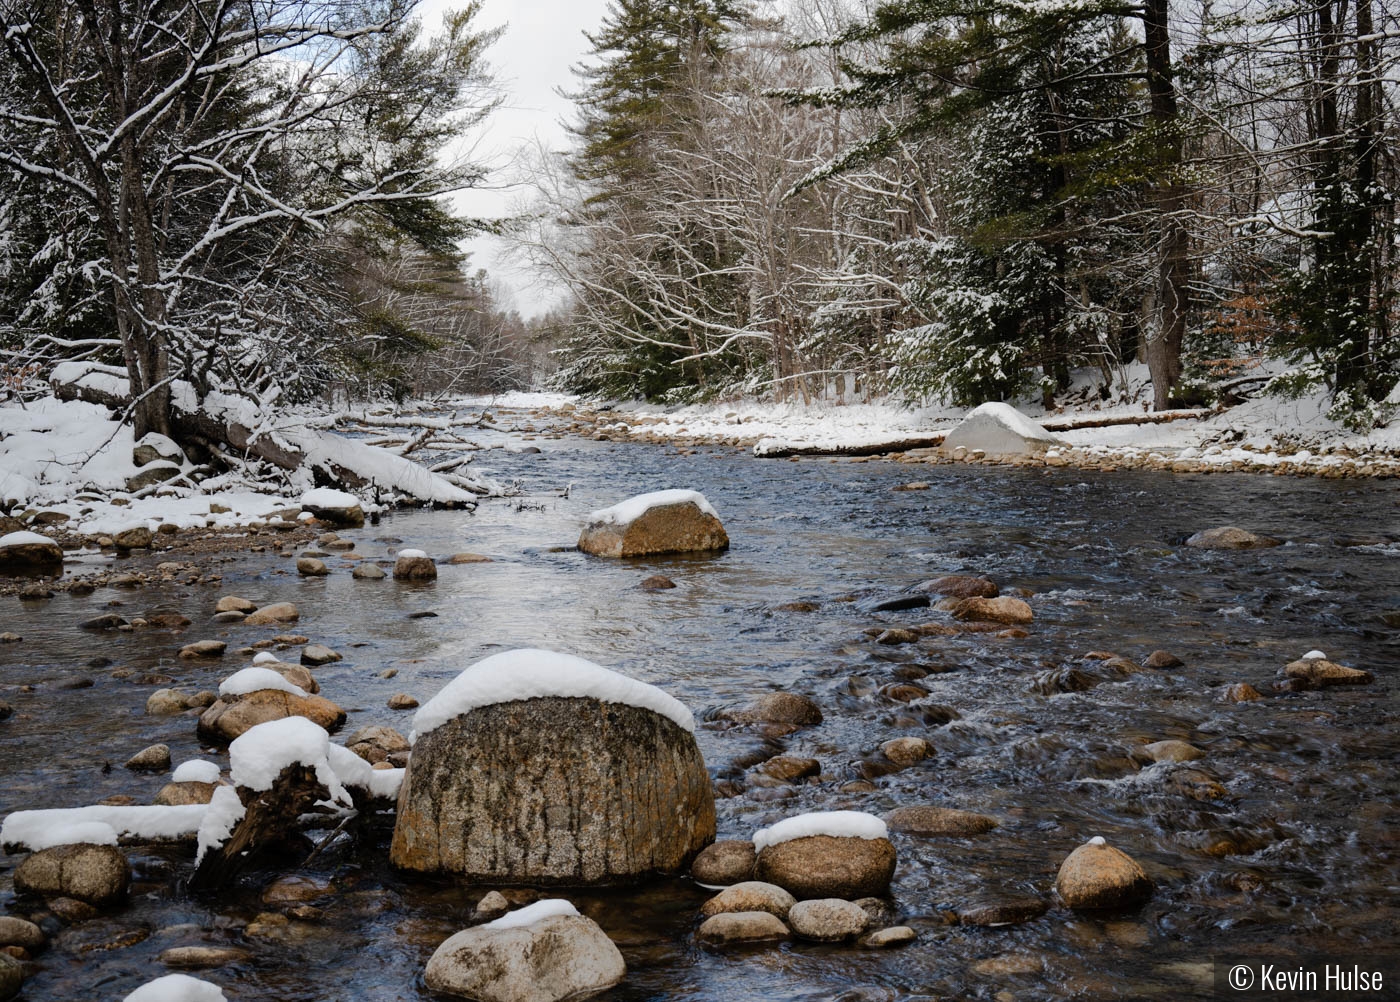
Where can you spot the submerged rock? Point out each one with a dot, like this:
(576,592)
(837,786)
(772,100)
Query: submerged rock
(1228,537)
(1002,910)
(1097,876)
(556,958)
(661,522)
(1241,692)
(368,572)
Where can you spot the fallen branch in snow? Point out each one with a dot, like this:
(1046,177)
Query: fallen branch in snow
(236,425)
(772,448)
(1114,420)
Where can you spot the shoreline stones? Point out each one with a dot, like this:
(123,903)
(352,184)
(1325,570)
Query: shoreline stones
(1097,876)
(649,524)
(830,854)
(561,956)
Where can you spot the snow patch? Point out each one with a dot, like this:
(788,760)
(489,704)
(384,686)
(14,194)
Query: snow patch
(632,509)
(326,497)
(177,988)
(82,833)
(142,823)
(23,538)
(412,553)
(265,658)
(530,914)
(355,771)
(260,754)
(838,824)
(196,770)
(1009,416)
(222,815)
(535,674)
(1313,656)
(247,680)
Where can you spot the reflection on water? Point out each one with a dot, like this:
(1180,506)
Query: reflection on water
(1299,855)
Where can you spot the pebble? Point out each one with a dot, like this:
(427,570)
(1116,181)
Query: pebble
(10,638)
(203,649)
(1241,692)
(905,752)
(402,701)
(316,655)
(884,939)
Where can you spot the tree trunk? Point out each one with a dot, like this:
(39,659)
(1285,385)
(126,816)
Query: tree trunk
(1164,340)
(269,823)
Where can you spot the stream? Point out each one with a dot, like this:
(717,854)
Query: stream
(1298,854)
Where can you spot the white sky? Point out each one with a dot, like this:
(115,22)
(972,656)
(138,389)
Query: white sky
(531,62)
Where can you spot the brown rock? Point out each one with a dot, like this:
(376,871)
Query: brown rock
(1241,692)
(669,528)
(1098,876)
(897,636)
(723,863)
(1162,659)
(232,603)
(156,758)
(230,716)
(196,957)
(1229,537)
(25,558)
(884,939)
(657,582)
(825,866)
(1011,611)
(960,586)
(411,568)
(742,927)
(780,708)
(1002,910)
(19,932)
(790,768)
(750,896)
(932,821)
(828,920)
(554,791)
(317,655)
(95,874)
(203,649)
(905,752)
(271,615)
(1320,672)
(1172,751)
(182,794)
(402,701)
(562,957)
(136,538)
(310,567)
(294,890)
(468,558)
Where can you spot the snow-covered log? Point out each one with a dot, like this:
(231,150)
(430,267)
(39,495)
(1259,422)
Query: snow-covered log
(236,424)
(776,448)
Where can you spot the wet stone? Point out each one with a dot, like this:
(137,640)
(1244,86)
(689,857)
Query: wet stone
(750,896)
(828,919)
(723,863)
(938,821)
(1002,910)
(196,957)
(742,927)
(156,758)
(1161,660)
(893,936)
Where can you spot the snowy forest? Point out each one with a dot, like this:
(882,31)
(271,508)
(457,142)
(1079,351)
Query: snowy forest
(968,199)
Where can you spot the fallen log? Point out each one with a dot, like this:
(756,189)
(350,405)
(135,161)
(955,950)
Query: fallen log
(1115,420)
(235,424)
(772,448)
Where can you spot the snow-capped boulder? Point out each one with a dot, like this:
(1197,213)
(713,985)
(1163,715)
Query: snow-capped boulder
(177,988)
(661,522)
(1098,876)
(827,854)
(154,447)
(535,767)
(998,430)
(25,553)
(334,507)
(542,953)
(414,565)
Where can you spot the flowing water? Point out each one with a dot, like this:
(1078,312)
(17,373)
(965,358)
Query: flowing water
(1300,855)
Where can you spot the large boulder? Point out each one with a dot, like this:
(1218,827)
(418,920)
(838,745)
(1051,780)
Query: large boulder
(661,522)
(543,953)
(96,874)
(232,715)
(998,430)
(334,507)
(534,767)
(830,854)
(29,553)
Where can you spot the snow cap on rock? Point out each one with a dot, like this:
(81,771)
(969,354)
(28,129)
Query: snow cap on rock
(80,833)
(265,658)
(412,553)
(634,508)
(177,988)
(1313,656)
(530,914)
(535,674)
(258,755)
(326,497)
(838,824)
(247,680)
(196,770)
(23,538)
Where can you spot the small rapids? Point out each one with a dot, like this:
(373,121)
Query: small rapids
(1280,841)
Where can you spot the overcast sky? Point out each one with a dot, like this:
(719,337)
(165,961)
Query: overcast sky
(543,39)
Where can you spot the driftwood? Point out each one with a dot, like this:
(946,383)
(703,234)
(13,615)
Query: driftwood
(782,450)
(270,824)
(332,458)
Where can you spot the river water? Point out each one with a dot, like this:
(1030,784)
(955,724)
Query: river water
(1297,854)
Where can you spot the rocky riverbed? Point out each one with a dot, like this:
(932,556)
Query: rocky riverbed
(993,749)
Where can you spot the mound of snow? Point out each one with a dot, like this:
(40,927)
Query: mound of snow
(196,770)
(354,771)
(225,810)
(412,553)
(326,497)
(530,914)
(154,823)
(260,754)
(536,674)
(838,824)
(247,680)
(177,988)
(632,509)
(23,538)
